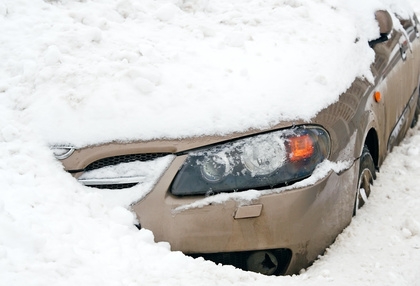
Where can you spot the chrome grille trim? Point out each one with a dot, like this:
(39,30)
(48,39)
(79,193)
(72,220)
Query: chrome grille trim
(111,181)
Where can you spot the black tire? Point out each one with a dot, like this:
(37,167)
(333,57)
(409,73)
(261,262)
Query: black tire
(367,174)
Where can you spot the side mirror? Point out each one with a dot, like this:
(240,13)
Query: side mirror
(385,27)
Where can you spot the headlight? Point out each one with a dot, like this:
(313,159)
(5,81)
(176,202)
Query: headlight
(263,161)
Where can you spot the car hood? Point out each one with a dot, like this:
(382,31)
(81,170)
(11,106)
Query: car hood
(147,71)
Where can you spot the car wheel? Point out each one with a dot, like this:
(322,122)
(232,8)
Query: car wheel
(367,174)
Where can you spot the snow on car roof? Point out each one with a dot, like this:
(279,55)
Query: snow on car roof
(85,72)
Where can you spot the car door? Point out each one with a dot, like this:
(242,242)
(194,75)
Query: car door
(397,69)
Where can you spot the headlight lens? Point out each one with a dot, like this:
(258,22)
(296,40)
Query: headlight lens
(215,167)
(263,157)
(263,161)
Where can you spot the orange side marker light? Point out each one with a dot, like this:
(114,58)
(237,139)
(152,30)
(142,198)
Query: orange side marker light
(378,96)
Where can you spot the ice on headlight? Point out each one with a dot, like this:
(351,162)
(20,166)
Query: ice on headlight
(214,168)
(263,157)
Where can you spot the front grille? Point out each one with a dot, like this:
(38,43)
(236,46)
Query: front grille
(110,161)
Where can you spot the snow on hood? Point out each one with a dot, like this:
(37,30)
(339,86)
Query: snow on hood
(98,71)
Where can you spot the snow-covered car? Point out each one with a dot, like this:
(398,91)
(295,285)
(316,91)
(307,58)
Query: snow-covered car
(271,199)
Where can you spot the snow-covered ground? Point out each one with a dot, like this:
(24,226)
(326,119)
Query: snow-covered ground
(63,70)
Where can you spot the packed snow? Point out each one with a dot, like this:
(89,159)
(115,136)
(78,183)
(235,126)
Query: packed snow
(92,71)
(84,72)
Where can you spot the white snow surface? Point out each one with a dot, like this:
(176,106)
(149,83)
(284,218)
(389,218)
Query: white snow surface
(92,71)
(84,72)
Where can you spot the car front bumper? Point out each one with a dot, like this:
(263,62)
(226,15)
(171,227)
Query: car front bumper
(303,221)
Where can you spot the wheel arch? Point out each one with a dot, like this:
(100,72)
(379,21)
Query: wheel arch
(372,142)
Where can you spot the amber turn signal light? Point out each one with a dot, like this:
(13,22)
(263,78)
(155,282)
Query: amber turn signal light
(377,96)
(301,147)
